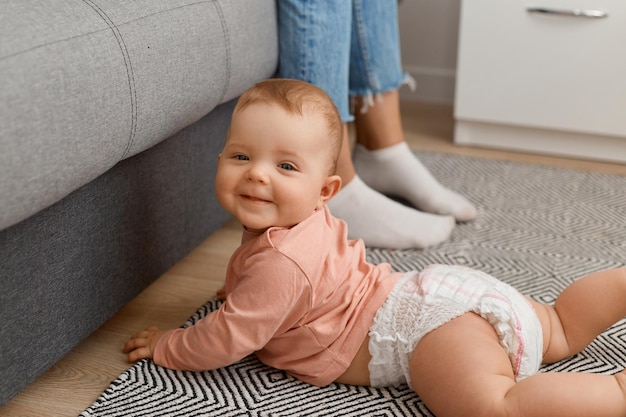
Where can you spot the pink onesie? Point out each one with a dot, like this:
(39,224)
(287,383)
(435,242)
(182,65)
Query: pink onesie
(303,299)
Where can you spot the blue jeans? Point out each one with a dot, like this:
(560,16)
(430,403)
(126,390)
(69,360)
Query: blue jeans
(345,47)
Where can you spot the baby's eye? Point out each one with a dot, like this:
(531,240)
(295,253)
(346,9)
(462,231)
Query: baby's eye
(286,166)
(241,157)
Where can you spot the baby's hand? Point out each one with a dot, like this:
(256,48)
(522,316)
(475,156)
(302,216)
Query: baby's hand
(142,344)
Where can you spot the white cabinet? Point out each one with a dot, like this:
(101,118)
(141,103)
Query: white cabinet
(543,76)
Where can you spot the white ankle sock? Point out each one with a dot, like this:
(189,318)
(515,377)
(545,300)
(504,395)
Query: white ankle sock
(384,223)
(397,171)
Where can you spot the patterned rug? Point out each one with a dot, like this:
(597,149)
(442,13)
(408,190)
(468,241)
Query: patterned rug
(538,229)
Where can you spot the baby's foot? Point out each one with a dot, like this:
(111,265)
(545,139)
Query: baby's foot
(397,171)
(384,223)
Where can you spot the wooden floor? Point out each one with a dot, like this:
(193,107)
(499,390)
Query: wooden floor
(75,382)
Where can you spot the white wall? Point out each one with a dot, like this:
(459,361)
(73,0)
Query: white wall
(429,37)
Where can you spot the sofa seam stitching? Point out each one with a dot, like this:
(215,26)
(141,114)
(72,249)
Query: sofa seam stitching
(108,28)
(129,72)
(226,38)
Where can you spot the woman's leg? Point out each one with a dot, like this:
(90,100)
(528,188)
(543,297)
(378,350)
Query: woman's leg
(314,46)
(314,40)
(388,165)
(382,158)
(384,223)
(460,369)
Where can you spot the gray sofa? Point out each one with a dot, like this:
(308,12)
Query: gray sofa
(111,117)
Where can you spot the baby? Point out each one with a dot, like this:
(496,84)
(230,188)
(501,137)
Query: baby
(303,298)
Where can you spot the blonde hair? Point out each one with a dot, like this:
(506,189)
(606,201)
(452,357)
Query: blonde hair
(296,97)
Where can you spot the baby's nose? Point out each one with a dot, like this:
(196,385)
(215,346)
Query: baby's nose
(258,173)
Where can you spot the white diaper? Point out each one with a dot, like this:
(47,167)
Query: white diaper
(421,302)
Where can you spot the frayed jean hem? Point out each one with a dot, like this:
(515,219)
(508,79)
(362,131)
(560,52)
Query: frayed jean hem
(370,96)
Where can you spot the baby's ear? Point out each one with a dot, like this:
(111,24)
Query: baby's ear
(332,185)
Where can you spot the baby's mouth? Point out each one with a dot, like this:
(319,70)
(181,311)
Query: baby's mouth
(254,199)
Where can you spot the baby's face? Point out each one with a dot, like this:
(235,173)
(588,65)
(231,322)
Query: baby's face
(273,170)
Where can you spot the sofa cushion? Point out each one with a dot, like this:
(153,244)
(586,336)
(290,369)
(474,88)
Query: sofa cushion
(87,83)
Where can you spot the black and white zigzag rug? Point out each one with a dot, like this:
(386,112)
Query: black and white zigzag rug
(538,229)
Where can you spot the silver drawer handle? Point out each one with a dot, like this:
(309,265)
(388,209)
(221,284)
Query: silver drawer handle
(570,12)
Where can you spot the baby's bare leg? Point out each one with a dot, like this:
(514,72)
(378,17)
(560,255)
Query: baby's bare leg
(583,310)
(460,369)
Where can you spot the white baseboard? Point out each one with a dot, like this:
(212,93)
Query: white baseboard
(552,142)
(433,85)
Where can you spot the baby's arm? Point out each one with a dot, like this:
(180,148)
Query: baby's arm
(142,344)
(242,325)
